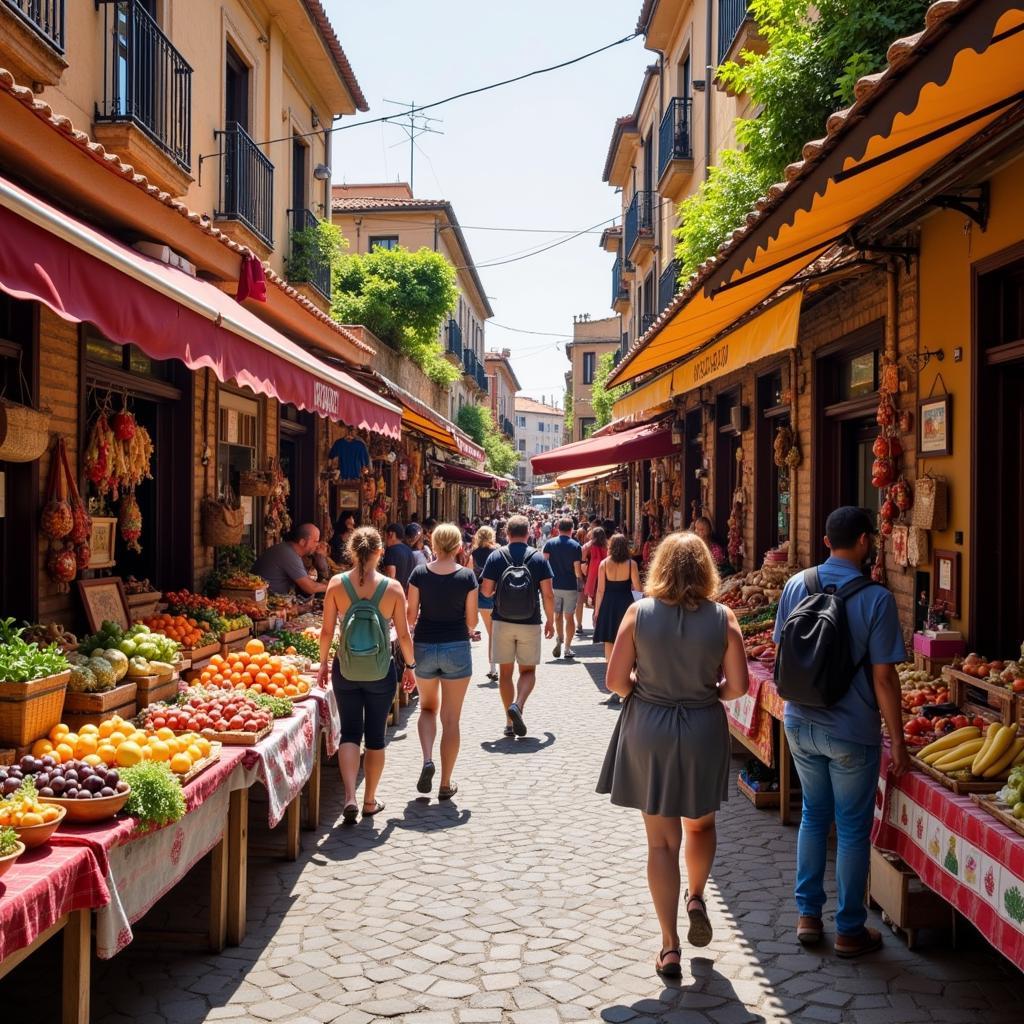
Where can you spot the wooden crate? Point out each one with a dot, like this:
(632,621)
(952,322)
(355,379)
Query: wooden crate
(151,689)
(933,666)
(142,606)
(238,739)
(759,798)
(96,703)
(76,719)
(258,596)
(194,654)
(907,901)
(958,787)
(8,756)
(1000,811)
(980,696)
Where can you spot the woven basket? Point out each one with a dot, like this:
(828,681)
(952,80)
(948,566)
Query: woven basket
(24,432)
(28,711)
(222,526)
(931,503)
(255,485)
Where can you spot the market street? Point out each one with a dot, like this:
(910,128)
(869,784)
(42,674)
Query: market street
(524,901)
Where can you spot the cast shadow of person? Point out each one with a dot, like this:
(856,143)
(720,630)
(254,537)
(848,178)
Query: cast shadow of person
(512,745)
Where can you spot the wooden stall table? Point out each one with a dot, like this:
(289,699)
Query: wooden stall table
(973,861)
(52,890)
(327,743)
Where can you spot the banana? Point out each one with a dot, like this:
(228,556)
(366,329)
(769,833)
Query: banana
(1003,763)
(968,749)
(1000,744)
(949,741)
(961,762)
(990,734)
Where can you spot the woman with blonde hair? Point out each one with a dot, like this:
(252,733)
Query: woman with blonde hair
(483,545)
(669,754)
(364,705)
(442,613)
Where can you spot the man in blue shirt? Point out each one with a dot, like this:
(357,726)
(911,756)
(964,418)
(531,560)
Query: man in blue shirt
(565,556)
(837,749)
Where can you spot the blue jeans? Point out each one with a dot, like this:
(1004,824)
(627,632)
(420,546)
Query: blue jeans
(838,780)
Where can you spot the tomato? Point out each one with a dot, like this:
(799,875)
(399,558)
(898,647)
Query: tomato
(237,722)
(913,727)
(159,722)
(978,722)
(1018,686)
(961,721)
(918,699)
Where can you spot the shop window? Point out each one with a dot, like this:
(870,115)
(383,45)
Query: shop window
(238,434)
(771,481)
(693,463)
(127,358)
(727,469)
(522,444)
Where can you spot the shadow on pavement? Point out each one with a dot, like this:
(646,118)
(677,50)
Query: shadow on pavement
(526,745)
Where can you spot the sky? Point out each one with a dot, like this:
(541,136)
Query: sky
(527,155)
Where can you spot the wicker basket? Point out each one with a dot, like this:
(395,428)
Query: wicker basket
(24,432)
(28,711)
(255,485)
(222,526)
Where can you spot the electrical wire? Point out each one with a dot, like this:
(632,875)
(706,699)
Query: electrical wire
(516,258)
(522,330)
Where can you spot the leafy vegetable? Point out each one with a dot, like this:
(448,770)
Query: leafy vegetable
(279,707)
(156,795)
(304,644)
(8,841)
(21,662)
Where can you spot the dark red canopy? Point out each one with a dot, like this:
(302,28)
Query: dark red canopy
(651,441)
(462,475)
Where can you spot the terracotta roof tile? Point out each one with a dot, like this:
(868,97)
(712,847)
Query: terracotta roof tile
(341,62)
(526,404)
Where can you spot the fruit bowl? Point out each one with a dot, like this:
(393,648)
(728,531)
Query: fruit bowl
(87,811)
(35,835)
(6,863)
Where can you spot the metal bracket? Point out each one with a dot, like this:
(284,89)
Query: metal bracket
(974,203)
(905,252)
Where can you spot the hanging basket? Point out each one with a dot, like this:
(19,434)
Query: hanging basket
(255,484)
(222,525)
(24,432)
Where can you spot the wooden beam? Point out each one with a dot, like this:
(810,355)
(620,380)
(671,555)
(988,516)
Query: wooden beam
(238,865)
(77,965)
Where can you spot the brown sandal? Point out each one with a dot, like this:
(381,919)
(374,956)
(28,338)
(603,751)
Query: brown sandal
(669,970)
(700,933)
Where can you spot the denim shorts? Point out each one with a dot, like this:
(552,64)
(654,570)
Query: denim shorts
(485,604)
(443,661)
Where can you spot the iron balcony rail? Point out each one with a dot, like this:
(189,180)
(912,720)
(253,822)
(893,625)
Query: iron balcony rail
(469,362)
(481,377)
(246,182)
(306,262)
(731,15)
(674,135)
(668,285)
(45,16)
(647,321)
(146,82)
(454,338)
(639,219)
(619,289)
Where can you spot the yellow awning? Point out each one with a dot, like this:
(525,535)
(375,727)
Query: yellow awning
(943,88)
(773,331)
(552,485)
(579,477)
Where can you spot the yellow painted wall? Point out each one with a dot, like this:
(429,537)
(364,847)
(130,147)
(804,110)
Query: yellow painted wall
(947,254)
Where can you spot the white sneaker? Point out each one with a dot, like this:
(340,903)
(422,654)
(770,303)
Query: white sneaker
(569,652)
(558,648)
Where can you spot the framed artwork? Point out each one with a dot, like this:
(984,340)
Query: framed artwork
(101,542)
(935,426)
(348,497)
(104,601)
(946,580)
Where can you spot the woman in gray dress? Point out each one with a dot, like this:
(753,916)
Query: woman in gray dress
(669,754)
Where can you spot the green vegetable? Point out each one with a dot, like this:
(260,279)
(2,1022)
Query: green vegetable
(279,707)
(21,662)
(304,644)
(9,841)
(156,797)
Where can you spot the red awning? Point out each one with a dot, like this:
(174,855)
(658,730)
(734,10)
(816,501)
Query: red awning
(652,441)
(467,477)
(84,275)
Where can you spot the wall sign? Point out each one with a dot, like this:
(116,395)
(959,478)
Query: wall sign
(946,577)
(935,425)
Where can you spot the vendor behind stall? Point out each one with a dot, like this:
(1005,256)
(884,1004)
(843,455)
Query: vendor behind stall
(282,566)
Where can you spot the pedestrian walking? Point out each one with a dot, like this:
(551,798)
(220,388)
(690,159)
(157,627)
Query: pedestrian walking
(398,561)
(839,640)
(483,545)
(414,539)
(519,580)
(566,558)
(363,672)
(618,578)
(595,551)
(581,536)
(443,613)
(669,754)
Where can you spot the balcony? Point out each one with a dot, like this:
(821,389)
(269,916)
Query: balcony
(246,184)
(675,149)
(481,377)
(306,262)
(620,291)
(146,113)
(507,427)
(668,285)
(32,32)
(647,322)
(454,340)
(639,227)
(737,32)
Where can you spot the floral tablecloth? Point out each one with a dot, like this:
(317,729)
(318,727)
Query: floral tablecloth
(43,886)
(972,860)
(752,714)
(330,719)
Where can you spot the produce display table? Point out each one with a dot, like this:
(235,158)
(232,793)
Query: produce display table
(957,849)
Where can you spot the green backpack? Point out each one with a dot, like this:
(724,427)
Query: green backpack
(364,654)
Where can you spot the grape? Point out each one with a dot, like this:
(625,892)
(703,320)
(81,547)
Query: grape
(122,787)
(10,786)
(46,791)
(84,794)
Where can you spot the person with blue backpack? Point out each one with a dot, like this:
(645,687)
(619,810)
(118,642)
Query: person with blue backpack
(362,671)
(839,640)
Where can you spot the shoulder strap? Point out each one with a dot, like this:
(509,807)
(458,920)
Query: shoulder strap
(379,593)
(349,589)
(812,580)
(855,586)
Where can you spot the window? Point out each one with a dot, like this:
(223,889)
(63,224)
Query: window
(589,367)
(521,421)
(522,444)
(586,426)
(383,242)
(238,443)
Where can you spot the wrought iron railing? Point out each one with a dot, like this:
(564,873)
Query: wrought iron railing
(731,15)
(145,80)
(454,346)
(619,289)
(45,16)
(469,362)
(674,135)
(639,219)
(246,182)
(481,377)
(306,261)
(668,285)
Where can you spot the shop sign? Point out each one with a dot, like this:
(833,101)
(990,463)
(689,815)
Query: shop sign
(470,450)
(326,399)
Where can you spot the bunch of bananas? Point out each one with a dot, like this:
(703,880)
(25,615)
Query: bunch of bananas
(967,754)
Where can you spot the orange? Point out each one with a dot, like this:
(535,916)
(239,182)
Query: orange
(107,753)
(117,737)
(256,687)
(204,746)
(205,677)
(138,737)
(194,752)
(66,752)
(128,754)
(165,733)
(93,759)
(262,678)
(278,678)
(89,730)
(86,745)
(59,731)
(254,646)
(181,764)
(41,748)
(291,690)
(106,728)
(159,751)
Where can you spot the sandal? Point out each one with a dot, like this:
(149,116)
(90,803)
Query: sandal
(447,792)
(809,930)
(849,946)
(700,933)
(350,814)
(669,970)
(426,779)
(376,809)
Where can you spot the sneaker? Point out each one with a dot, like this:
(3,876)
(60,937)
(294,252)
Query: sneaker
(569,652)
(518,725)
(558,648)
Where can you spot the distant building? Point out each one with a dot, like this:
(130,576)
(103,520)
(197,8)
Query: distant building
(502,388)
(591,340)
(539,428)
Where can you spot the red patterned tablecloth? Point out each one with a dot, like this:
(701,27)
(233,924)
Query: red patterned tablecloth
(329,717)
(752,714)
(972,860)
(43,886)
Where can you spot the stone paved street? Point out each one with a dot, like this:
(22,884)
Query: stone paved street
(522,901)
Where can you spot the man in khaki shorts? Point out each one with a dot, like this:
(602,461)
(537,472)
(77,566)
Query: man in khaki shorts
(565,556)
(519,580)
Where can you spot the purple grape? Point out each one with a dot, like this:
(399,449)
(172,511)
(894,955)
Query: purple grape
(57,785)
(10,786)
(47,761)
(122,787)
(106,791)
(84,794)
(46,791)
(93,785)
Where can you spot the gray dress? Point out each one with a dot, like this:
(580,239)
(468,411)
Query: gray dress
(669,753)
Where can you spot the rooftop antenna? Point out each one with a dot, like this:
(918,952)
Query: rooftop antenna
(414,125)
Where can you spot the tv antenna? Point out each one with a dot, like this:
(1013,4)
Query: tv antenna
(414,124)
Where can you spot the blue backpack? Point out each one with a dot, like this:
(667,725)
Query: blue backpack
(364,653)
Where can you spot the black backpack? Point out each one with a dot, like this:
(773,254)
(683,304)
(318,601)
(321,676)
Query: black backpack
(814,666)
(515,598)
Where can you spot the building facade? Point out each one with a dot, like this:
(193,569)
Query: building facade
(388,215)
(502,389)
(539,428)
(591,339)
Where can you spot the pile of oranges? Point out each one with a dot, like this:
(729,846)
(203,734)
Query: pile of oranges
(188,632)
(117,743)
(253,669)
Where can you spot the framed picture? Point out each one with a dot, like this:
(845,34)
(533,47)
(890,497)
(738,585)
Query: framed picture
(946,580)
(101,542)
(935,426)
(348,497)
(104,601)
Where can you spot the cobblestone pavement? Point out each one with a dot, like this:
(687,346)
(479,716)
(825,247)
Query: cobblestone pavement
(523,901)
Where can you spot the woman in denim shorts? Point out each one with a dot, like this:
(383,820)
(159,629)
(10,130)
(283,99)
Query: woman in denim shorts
(483,545)
(443,612)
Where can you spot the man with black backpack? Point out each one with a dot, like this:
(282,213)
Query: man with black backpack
(839,640)
(519,579)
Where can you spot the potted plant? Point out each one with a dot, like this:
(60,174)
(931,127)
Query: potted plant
(32,684)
